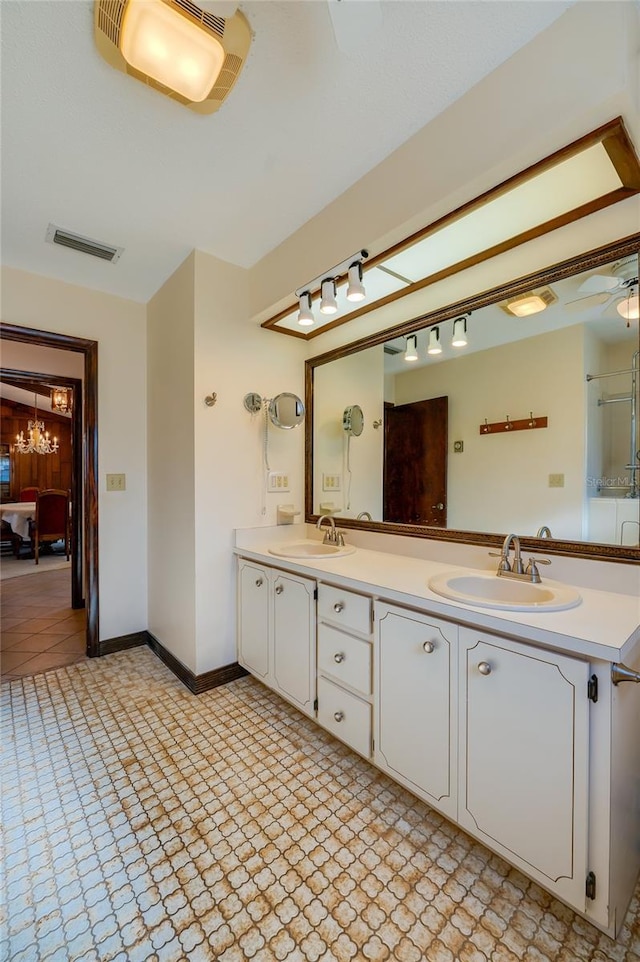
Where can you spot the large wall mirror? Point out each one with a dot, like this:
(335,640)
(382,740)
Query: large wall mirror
(517,410)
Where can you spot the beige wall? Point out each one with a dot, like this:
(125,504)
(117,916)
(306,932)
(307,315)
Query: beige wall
(170,481)
(119,327)
(501,482)
(233,358)
(357,379)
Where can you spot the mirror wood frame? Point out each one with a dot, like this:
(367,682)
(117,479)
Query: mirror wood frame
(580,549)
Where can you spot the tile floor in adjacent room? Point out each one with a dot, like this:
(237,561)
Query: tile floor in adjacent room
(147,824)
(40,630)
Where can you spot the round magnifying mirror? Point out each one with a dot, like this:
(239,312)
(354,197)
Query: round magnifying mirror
(353,420)
(286,411)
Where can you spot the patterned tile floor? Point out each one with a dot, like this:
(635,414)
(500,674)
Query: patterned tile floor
(40,630)
(146,824)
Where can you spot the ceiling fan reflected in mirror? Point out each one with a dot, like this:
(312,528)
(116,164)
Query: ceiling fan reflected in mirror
(618,288)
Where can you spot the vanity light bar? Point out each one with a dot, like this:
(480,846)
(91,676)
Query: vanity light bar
(334,273)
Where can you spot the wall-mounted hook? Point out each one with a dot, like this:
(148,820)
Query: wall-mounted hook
(211,399)
(508,425)
(532,422)
(486,427)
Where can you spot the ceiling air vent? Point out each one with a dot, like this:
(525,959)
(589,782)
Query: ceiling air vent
(86,245)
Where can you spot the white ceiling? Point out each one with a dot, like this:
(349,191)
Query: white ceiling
(98,153)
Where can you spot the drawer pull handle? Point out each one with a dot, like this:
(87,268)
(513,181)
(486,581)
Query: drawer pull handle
(279,589)
(258,582)
(338,715)
(338,658)
(484,668)
(338,606)
(428,647)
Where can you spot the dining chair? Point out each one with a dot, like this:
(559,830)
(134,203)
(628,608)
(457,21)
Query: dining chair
(29,494)
(51,521)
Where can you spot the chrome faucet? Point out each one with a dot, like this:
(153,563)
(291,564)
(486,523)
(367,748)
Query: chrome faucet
(517,567)
(331,535)
(544,532)
(506,569)
(364,516)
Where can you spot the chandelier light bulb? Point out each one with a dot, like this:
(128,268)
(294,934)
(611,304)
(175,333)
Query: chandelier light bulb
(434,341)
(355,287)
(328,303)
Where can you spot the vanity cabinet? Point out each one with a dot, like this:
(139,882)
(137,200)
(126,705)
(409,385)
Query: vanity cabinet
(277,631)
(345,666)
(523,751)
(416,703)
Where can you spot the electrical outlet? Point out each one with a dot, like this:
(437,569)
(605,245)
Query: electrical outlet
(458,447)
(116,482)
(278,482)
(556,480)
(331,482)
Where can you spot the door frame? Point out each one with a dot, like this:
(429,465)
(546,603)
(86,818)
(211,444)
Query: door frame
(87,439)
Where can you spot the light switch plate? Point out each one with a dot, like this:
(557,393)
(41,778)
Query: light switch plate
(331,482)
(278,482)
(116,482)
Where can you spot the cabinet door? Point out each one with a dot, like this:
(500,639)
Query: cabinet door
(416,703)
(524,758)
(253,618)
(294,639)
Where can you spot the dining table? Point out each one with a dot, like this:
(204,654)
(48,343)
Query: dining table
(19,514)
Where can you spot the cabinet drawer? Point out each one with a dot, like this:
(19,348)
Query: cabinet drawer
(345,715)
(345,608)
(345,658)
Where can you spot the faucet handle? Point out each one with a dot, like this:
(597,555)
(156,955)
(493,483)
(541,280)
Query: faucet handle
(504,563)
(340,539)
(532,568)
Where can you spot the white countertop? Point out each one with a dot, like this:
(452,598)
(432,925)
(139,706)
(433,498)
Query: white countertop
(606,625)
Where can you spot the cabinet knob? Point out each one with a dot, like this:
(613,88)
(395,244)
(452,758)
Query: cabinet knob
(338,715)
(259,582)
(428,647)
(338,658)
(484,668)
(279,589)
(338,606)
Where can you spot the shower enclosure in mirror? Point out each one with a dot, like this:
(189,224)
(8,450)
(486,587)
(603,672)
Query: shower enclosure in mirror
(515,413)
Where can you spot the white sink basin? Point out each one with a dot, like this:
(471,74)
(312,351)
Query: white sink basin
(309,550)
(489,591)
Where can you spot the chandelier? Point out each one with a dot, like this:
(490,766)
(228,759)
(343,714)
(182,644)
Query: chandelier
(37,440)
(62,400)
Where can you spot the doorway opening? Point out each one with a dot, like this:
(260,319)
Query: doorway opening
(85,565)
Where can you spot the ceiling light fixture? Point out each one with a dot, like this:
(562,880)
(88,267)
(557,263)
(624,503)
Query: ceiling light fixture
(411,350)
(190,54)
(459,338)
(305,314)
(526,306)
(355,287)
(328,303)
(629,308)
(159,41)
(37,440)
(327,284)
(434,341)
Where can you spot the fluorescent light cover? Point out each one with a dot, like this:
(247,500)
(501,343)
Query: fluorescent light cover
(629,308)
(169,48)
(411,350)
(305,314)
(355,287)
(527,305)
(434,341)
(459,338)
(328,304)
